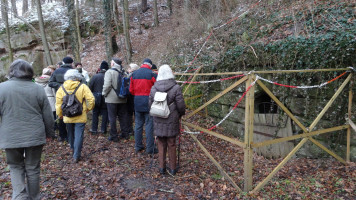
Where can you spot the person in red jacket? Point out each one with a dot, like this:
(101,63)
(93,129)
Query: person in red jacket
(141,82)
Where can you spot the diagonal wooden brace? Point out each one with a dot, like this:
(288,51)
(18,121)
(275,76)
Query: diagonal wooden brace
(216,163)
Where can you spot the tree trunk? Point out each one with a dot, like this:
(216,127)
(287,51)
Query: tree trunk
(117,23)
(187,5)
(43,34)
(144,6)
(77,23)
(24,6)
(126,23)
(155,13)
(4,12)
(72,30)
(33,3)
(108,29)
(13,7)
(169,5)
(90,3)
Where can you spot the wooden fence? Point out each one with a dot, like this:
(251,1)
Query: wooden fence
(248,145)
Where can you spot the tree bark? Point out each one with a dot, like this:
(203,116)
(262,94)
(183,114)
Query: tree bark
(117,23)
(4,12)
(126,23)
(108,29)
(90,3)
(187,5)
(43,34)
(24,6)
(144,6)
(155,11)
(33,3)
(13,7)
(77,23)
(169,5)
(72,30)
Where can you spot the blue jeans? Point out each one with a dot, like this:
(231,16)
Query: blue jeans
(104,121)
(142,118)
(75,138)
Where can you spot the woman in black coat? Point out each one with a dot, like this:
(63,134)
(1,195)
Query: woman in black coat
(166,129)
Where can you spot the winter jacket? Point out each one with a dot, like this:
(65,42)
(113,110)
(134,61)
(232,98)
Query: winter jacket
(96,85)
(50,92)
(57,78)
(141,83)
(168,127)
(110,82)
(83,94)
(25,114)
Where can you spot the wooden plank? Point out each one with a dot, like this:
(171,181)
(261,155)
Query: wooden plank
(216,163)
(276,169)
(193,79)
(281,105)
(193,97)
(237,83)
(265,72)
(223,137)
(349,113)
(249,119)
(321,114)
(303,135)
(327,150)
(191,108)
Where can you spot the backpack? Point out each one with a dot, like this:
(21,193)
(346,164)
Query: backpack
(159,107)
(71,106)
(123,85)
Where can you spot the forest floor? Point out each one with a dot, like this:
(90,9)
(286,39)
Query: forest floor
(114,171)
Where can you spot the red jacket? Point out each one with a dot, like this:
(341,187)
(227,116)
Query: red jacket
(141,83)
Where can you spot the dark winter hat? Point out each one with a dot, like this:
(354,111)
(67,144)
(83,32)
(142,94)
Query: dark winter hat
(147,60)
(104,65)
(117,61)
(154,66)
(68,60)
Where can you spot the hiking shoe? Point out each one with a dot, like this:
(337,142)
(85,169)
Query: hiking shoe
(155,151)
(172,171)
(93,132)
(114,139)
(162,171)
(139,150)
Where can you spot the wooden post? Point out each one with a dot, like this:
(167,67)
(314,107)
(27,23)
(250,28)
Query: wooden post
(348,136)
(248,150)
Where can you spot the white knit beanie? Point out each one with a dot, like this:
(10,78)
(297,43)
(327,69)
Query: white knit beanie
(134,66)
(165,73)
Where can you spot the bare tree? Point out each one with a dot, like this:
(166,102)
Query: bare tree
(43,33)
(13,7)
(4,12)
(90,3)
(126,23)
(24,6)
(169,5)
(33,3)
(117,22)
(77,23)
(108,28)
(144,6)
(155,11)
(73,30)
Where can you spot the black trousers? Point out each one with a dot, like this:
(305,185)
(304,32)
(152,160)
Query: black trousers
(62,130)
(119,110)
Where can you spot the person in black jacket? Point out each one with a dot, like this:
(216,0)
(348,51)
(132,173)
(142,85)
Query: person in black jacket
(56,80)
(96,86)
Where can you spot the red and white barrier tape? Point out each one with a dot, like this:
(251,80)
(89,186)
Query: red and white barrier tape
(211,81)
(228,115)
(304,86)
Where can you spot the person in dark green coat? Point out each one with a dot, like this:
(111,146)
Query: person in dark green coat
(26,120)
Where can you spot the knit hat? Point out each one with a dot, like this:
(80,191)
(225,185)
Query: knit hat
(117,61)
(133,66)
(73,74)
(147,61)
(104,65)
(154,66)
(68,60)
(47,71)
(165,73)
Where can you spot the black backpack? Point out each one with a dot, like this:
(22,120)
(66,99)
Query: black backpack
(123,85)
(71,106)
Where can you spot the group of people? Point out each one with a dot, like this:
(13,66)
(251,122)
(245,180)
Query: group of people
(28,112)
